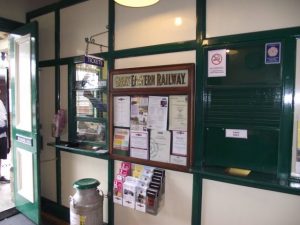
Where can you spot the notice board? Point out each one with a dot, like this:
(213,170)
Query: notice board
(152,114)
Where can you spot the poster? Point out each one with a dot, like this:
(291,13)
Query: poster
(217,63)
(121,139)
(179,143)
(272,53)
(178,160)
(157,113)
(122,111)
(139,153)
(160,145)
(139,139)
(178,112)
(139,113)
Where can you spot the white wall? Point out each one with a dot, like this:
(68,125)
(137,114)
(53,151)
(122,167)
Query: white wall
(17,9)
(46,29)
(137,27)
(48,156)
(225,17)
(154,25)
(176,208)
(229,204)
(81,21)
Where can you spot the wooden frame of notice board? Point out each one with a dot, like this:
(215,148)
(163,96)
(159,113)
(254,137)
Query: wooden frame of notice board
(152,115)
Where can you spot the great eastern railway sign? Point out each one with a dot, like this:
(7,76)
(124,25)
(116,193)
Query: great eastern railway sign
(176,78)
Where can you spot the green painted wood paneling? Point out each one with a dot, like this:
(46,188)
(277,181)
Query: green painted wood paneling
(7,25)
(30,208)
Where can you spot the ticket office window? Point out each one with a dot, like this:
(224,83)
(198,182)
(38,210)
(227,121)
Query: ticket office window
(89,103)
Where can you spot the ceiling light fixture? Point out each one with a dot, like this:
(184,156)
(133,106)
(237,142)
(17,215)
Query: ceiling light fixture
(136,3)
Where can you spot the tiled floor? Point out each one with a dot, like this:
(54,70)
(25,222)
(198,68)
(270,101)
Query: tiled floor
(17,219)
(21,219)
(6,201)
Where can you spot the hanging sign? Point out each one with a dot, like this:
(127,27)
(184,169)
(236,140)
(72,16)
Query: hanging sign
(217,63)
(93,60)
(272,53)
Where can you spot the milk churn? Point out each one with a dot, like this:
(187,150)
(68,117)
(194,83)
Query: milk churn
(86,206)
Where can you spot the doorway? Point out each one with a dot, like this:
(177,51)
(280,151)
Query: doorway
(6,166)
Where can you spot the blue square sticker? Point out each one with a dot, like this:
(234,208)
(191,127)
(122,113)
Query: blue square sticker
(272,53)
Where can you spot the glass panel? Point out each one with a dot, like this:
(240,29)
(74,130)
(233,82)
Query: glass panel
(64,97)
(88,77)
(91,131)
(296,134)
(23,84)
(91,103)
(25,174)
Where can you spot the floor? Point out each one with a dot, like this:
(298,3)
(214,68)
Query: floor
(20,219)
(17,219)
(5,189)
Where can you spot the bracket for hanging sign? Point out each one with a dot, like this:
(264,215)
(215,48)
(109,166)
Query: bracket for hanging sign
(91,40)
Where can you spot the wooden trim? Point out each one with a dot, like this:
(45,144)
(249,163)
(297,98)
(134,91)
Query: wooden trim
(7,25)
(161,90)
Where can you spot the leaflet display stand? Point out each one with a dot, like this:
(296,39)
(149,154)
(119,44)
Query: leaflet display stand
(152,115)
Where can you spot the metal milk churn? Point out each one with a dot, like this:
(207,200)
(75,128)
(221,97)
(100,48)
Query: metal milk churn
(86,206)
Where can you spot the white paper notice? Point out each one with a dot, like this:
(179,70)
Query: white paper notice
(158,112)
(139,139)
(178,110)
(122,111)
(139,113)
(179,160)
(139,153)
(217,63)
(234,133)
(160,145)
(179,143)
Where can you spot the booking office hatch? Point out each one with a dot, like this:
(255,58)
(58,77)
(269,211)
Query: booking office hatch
(243,89)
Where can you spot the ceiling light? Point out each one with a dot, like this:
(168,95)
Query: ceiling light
(136,3)
(178,21)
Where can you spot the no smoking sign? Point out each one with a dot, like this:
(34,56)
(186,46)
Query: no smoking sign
(216,59)
(217,63)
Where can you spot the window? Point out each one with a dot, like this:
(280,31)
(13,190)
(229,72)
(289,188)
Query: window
(89,98)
